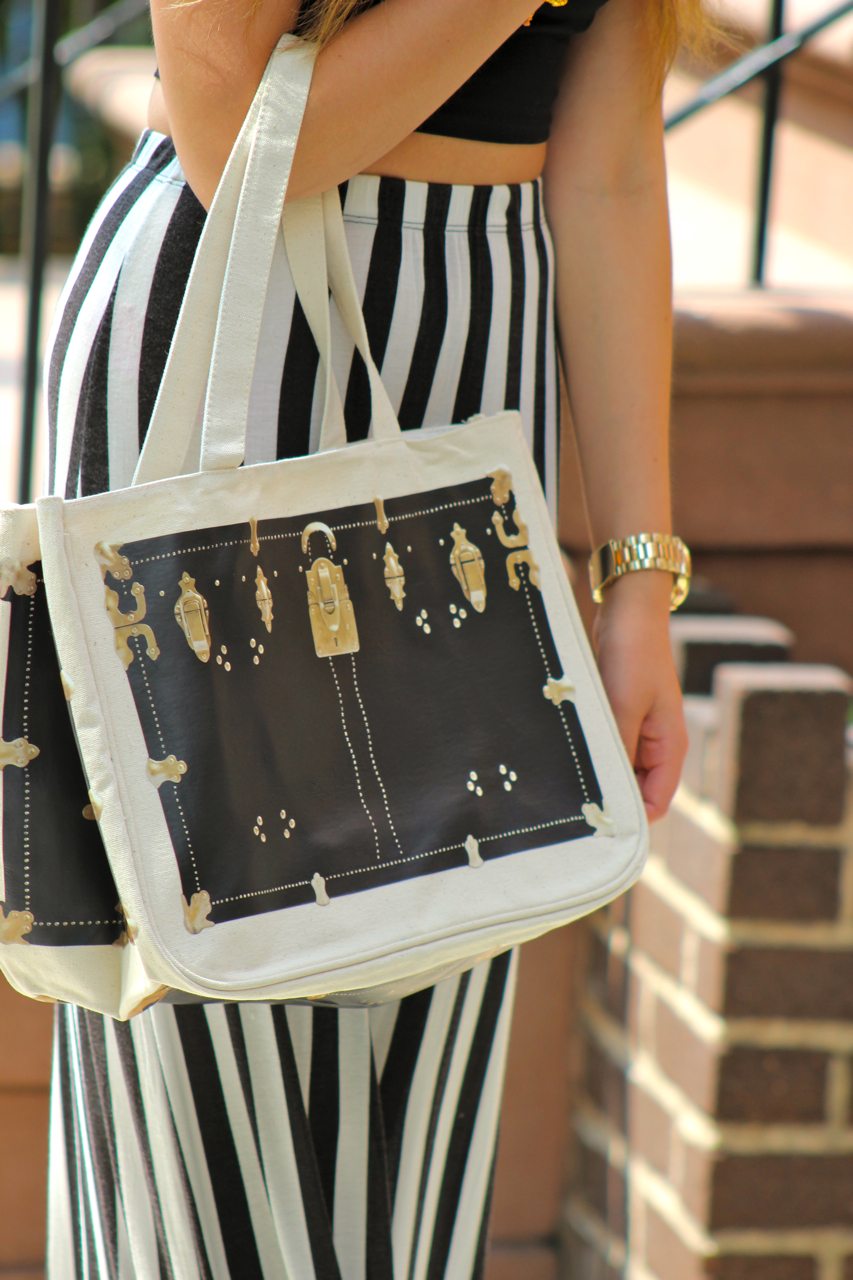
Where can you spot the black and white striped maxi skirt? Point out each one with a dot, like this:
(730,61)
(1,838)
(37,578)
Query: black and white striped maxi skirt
(291,1142)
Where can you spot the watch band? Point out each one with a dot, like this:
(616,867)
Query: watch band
(641,551)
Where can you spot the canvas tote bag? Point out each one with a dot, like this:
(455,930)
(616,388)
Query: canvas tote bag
(341,728)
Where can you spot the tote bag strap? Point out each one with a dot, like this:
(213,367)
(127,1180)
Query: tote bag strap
(261,210)
(303,220)
(171,443)
(215,340)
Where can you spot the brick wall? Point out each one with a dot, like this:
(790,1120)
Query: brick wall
(713,1132)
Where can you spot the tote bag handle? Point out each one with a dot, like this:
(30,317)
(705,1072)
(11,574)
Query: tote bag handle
(171,431)
(215,341)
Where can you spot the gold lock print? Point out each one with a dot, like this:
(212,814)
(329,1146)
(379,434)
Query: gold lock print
(192,616)
(329,606)
(466,561)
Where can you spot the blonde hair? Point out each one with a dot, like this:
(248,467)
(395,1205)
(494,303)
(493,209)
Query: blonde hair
(672,25)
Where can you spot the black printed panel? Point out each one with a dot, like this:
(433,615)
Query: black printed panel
(54,860)
(425,741)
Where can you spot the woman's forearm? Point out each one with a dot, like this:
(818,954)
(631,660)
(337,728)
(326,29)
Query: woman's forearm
(373,84)
(614,314)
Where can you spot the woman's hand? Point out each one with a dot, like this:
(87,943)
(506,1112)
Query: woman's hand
(632,648)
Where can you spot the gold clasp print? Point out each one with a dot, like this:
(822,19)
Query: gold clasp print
(130,624)
(112,563)
(169,770)
(501,486)
(19,752)
(381,518)
(466,561)
(196,911)
(395,578)
(129,932)
(520,553)
(263,598)
(14,925)
(329,606)
(193,617)
(15,574)
(254,541)
(558,691)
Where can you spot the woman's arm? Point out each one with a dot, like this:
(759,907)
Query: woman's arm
(373,84)
(606,202)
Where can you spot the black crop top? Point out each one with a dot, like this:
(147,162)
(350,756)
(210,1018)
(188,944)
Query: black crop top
(510,97)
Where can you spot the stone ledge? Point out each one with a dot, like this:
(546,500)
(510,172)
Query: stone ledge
(114,83)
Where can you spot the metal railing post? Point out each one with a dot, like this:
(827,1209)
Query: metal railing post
(42,99)
(772,93)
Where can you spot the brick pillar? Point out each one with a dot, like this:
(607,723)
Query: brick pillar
(714,1129)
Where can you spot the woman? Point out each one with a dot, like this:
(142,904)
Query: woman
(504,195)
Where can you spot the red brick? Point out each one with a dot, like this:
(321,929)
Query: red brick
(749,1267)
(584,1262)
(699,858)
(668,1257)
(785,884)
(27,1033)
(649,1129)
(601,1185)
(710,978)
(607,977)
(782,742)
(700,716)
(789,982)
(769,1191)
(640,1014)
(688,1060)
(605,1083)
(696,1166)
(656,929)
(23,1176)
(772,1086)
(526,1262)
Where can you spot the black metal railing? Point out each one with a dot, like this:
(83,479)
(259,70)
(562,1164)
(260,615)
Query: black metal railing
(41,78)
(764,61)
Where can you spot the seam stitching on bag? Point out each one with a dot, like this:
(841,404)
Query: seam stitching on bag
(336,528)
(139,654)
(560,710)
(396,862)
(372,756)
(331,662)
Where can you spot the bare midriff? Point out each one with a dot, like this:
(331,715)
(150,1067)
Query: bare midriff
(428,157)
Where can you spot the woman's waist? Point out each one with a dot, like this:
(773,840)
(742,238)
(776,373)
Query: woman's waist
(428,157)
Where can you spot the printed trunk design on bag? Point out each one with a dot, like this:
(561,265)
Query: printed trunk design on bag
(55,884)
(406,713)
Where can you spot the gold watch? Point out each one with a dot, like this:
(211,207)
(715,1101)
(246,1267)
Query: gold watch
(641,551)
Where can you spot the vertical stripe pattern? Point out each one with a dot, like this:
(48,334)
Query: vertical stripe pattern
(201,1142)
